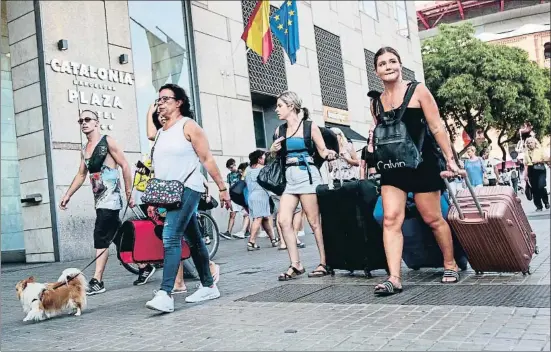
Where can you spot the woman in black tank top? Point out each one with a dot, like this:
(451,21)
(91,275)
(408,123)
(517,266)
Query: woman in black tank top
(425,181)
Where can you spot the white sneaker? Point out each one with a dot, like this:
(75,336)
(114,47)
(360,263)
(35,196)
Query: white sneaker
(239,234)
(161,302)
(203,294)
(300,233)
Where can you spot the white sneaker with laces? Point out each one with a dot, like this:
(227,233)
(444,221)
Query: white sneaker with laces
(161,302)
(203,294)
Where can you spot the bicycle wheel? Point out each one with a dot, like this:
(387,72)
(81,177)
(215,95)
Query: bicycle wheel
(209,231)
(133,268)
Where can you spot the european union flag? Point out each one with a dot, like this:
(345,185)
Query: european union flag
(284,25)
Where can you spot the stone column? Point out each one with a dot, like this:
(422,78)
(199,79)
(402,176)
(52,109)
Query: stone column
(86,71)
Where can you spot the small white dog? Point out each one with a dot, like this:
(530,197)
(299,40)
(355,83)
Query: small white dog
(43,301)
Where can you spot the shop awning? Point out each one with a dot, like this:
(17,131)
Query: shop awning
(348,132)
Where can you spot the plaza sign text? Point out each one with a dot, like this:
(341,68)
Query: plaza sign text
(101,77)
(82,70)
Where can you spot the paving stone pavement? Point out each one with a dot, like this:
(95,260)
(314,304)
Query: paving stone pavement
(118,319)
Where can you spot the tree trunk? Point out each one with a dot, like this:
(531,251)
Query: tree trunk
(502,147)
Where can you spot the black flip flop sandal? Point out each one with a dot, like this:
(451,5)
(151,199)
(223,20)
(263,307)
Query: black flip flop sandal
(252,246)
(320,273)
(294,274)
(387,289)
(449,273)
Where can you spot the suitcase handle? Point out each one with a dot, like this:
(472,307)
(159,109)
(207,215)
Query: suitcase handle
(471,191)
(141,215)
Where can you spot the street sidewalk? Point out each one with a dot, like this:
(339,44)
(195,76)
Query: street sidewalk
(255,313)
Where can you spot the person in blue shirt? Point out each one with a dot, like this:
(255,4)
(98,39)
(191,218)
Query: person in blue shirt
(475,168)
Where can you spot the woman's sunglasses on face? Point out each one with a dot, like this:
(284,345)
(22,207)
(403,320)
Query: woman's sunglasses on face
(86,119)
(163,99)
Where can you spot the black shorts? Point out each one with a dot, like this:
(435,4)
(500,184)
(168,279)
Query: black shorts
(426,178)
(107,224)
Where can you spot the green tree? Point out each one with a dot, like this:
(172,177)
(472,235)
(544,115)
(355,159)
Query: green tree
(479,86)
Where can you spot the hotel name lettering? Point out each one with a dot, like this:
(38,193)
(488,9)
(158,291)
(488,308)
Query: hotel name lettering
(104,77)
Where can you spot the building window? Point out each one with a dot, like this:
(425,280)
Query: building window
(370,8)
(160,52)
(259,130)
(331,71)
(401,16)
(269,78)
(373,81)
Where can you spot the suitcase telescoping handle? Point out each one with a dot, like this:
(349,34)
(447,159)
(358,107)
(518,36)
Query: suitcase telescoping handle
(471,190)
(137,209)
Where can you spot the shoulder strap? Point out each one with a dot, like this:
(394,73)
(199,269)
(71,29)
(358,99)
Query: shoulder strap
(307,135)
(407,98)
(153,147)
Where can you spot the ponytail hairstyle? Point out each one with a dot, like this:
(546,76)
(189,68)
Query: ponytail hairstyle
(292,98)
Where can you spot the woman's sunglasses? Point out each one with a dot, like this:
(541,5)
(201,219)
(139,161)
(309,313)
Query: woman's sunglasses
(86,119)
(164,99)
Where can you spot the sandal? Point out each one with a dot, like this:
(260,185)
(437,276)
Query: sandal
(318,272)
(301,245)
(275,241)
(296,272)
(452,274)
(252,246)
(387,288)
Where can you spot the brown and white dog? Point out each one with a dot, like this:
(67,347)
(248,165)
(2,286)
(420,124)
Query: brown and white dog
(43,301)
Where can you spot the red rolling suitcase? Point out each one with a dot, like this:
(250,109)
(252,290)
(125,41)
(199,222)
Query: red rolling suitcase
(492,228)
(138,242)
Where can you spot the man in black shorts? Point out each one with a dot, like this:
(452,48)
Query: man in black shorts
(101,157)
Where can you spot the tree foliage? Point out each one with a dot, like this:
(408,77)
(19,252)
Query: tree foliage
(479,85)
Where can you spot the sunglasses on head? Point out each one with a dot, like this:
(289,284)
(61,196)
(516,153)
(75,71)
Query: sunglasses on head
(86,119)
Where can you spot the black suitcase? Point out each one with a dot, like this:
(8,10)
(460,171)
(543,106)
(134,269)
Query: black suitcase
(353,239)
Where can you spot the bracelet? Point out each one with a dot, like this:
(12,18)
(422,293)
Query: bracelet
(223,190)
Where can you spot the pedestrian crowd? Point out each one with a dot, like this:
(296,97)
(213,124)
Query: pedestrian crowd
(175,184)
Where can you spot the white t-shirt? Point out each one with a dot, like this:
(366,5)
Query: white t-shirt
(490,173)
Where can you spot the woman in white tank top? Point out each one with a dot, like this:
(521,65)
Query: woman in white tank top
(180,148)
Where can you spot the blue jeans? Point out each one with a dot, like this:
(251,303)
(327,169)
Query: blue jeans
(178,223)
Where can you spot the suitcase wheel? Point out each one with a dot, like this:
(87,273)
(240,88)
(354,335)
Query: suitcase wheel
(527,272)
(536,250)
(332,272)
(351,273)
(368,274)
(479,272)
(416,268)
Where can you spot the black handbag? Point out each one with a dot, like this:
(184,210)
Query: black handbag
(393,146)
(539,167)
(207,202)
(272,176)
(237,193)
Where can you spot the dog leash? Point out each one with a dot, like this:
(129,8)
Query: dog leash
(69,279)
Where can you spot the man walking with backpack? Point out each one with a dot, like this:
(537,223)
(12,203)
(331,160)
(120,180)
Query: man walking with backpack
(101,157)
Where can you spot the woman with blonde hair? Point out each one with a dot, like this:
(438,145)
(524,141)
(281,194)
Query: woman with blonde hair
(475,167)
(296,146)
(535,172)
(346,168)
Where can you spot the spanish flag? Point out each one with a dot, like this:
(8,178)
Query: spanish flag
(257,33)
